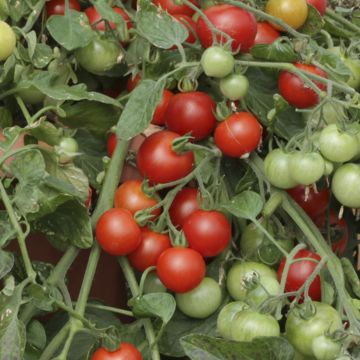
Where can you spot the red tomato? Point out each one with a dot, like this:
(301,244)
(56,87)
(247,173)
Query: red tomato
(295,92)
(114,93)
(319,5)
(132,82)
(315,204)
(208,232)
(172,8)
(94,18)
(180,269)
(300,271)
(190,25)
(239,134)
(266,34)
(57,7)
(130,196)
(152,245)
(191,112)
(126,351)
(159,114)
(185,203)
(339,232)
(111,144)
(117,232)
(157,160)
(239,24)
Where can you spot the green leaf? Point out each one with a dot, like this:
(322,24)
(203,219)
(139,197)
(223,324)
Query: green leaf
(107,12)
(7,232)
(69,225)
(71,31)
(314,22)
(135,51)
(42,55)
(140,108)
(160,305)
(6,263)
(36,335)
(45,131)
(334,64)
(12,330)
(247,205)
(279,50)
(5,117)
(160,29)
(18,9)
(209,348)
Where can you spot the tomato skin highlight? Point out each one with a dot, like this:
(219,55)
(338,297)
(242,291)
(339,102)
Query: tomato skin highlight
(151,246)
(160,111)
(130,196)
(266,34)
(173,9)
(315,204)
(180,269)
(126,351)
(239,134)
(157,161)
(294,91)
(57,7)
(208,232)
(95,17)
(300,271)
(117,232)
(185,203)
(191,112)
(319,5)
(237,23)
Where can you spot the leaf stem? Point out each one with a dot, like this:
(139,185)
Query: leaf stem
(111,309)
(24,109)
(332,14)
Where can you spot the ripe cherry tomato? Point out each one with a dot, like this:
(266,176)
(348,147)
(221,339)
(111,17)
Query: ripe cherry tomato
(130,196)
(117,232)
(315,203)
(208,232)
(125,351)
(111,144)
(266,34)
(239,134)
(180,269)
(299,273)
(132,82)
(159,114)
(319,5)
(95,18)
(191,112)
(295,92)
(157,160)
(339,232)
(239,24)
(185,203)
(292,12)
(172,8)
(57,7)
(190,25)
(152,245)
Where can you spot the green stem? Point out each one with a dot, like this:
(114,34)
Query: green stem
(34,15)
(20,235)
(42,111)
(332,14)
(24,109)
(111,309)
(135,291)
(55,343)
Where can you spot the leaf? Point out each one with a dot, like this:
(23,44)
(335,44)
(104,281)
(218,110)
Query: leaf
(45,131)
(107,12)
(6,263)
(160,29)
(71,31)
(5,117)
(140,108)
(36,335)
(314,22)
(160,305)
(247,205)
(209,348)
(279,50)
(135,51)
(334,64)
(42,55)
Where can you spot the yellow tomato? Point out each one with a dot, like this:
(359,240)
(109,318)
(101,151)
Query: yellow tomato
(292,12)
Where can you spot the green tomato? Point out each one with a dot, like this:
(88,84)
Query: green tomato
(277,171)
(31,95)
(249,324)
(67,149)
(217,62)
(346,184)
(301,331)
(234,86)
(226,316)
(99,56)
(325,348)
(338,146)
(153,284)
(354,66)
(242,271)
(268,287)
(7,40)
(202,301)
(329,167)
(306,168)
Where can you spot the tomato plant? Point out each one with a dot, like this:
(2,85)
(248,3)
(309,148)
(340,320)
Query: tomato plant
(57,7)
(126,351)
